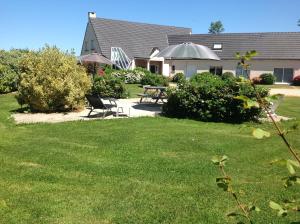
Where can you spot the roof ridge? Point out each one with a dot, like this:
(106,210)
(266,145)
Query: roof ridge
(247,33)
(139,23)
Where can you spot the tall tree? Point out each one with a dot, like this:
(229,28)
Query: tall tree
(216,27)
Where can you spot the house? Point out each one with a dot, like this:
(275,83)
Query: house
(132,44)
(129,44)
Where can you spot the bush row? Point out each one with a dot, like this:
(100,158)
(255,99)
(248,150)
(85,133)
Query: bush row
(207,97)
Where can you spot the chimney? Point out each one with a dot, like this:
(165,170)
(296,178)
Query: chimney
(92,15)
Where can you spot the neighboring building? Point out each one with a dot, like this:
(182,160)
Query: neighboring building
(130,45)
(278,53)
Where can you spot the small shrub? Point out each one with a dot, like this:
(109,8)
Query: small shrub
(8,80)
(52,81)
(130,76)
(228,75)
(256,80)
(178,77)
(154,80)
(267,79)
(109,86)
(197,77)
(210,98)
(296,81)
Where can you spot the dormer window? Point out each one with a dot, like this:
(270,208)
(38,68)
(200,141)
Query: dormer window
(218,47)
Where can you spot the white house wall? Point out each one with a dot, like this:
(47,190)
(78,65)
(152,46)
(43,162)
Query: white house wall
(258,67)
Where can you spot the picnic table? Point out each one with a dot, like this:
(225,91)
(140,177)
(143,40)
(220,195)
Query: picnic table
(159,93)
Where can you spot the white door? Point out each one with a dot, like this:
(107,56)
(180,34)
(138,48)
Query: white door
(191,69)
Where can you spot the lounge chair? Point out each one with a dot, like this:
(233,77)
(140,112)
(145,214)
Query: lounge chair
(96,102)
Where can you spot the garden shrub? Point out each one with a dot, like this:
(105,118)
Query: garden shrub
(178,77)
(296,81)
(130,76)
(267,79)
(256,80)
(228,75)
(109,86)
(210,98)
(197,77)
(8,80)
(51,81)
(10,69)
(154,80)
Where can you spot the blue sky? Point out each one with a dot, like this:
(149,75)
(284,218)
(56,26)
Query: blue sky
(32,23)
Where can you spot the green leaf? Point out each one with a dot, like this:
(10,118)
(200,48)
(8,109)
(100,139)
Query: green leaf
(274,205)
(260,134)
(248,103)
(219,160)
(290,168)
(282,213)
(294,163)
(281,162)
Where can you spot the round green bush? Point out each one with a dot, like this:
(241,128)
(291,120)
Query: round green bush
(178,77)
(267,79)
(210,98)
(228,75)
(109,86)
(51,81)
(154,80)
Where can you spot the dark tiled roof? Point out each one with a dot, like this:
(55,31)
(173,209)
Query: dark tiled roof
(136,39)
(285,45)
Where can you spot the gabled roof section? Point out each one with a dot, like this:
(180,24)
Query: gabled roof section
(282,45)
(136,39)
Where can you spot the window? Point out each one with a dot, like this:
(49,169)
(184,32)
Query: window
(86,46)
(241,72)
(216,70)
(119,58)
(217,46)
(154,69)
(173,68)
(92,45)
(284,75)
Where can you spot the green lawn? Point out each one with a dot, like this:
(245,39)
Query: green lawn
(134,90)
(146,170)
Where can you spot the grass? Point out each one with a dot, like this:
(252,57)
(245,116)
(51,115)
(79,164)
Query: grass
(134,90)
(146,170)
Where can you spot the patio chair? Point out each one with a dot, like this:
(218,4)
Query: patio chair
(96,102)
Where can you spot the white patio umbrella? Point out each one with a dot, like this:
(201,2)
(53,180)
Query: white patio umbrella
(188,51)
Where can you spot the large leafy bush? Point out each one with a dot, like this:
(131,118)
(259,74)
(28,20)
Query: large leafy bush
(267,79)
(109,86)
(208,97)
(10,69)
(51,81)
(154,80)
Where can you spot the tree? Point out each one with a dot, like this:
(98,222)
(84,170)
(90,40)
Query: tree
(216,27)
(298,22)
